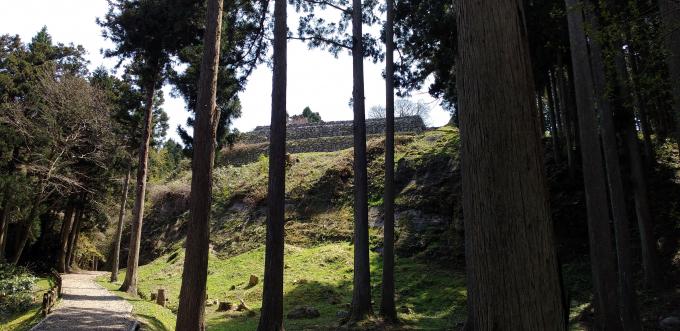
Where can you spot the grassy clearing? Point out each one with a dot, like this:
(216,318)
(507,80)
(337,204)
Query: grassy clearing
(27,319)
(320,277)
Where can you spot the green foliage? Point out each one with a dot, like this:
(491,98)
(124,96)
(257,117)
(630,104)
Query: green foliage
(16,289)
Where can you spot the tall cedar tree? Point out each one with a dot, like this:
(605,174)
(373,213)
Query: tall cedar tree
(272,295)
(602,256)
(508,230)
(115,262)
(194,277)
(650,264)
(148,32)
(387,307)
(361,296)
(669,10)
(629,312)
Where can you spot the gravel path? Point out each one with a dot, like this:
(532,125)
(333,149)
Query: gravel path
(87,306)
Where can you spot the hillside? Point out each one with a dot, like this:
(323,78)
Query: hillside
(430,276)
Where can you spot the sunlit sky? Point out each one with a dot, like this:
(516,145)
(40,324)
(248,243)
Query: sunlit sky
(315,78)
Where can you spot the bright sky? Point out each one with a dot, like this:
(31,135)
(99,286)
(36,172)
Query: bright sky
(315,78)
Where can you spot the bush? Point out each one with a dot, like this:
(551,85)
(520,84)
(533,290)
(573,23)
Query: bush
(16,289)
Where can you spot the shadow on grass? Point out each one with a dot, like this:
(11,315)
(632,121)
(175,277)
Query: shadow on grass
(427,299)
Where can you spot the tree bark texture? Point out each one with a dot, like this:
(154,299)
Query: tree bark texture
(602,256)
(387,306)
(272,295)
(115,264)
(511,262)
(194,277)
(361,294)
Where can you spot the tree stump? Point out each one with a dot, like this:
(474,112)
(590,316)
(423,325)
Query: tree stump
(252,281)
(224,306)
(160,297)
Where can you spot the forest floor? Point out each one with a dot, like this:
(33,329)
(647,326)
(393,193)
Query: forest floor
(87,306)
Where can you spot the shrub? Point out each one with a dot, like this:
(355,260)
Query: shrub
(16,289)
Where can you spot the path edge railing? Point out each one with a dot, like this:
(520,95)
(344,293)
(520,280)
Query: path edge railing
(52,295)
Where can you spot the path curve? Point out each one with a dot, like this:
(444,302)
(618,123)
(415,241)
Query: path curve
(85,305)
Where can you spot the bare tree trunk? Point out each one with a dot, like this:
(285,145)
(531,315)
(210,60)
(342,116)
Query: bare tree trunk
(630,315)
(361,295)
(130,283)
(7,205)
(566,105)
(24,229)
(650,263)
(602,256)
(509,243)
(76,236)
(66,226)
(191,311)
(387,306)
(645,128)
(553,125)
(670,17)
(72,237)
(115,264)
(272,295)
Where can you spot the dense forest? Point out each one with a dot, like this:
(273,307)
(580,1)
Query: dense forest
(550,201)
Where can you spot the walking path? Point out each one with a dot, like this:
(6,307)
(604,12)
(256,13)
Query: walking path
(87,306)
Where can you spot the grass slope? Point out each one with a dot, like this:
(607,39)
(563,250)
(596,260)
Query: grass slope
(318,276)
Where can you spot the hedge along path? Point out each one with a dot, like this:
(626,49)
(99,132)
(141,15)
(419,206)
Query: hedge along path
(85,305)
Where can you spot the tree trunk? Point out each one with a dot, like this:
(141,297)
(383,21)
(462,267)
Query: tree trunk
(512,271)
(599,232)
(72,254)
(361,295)
(7,205)
(115,264)
(645,128)
(130,283)
(553,126)
(630,315)
(66,226)
(24,229)
(272,295)
(566,105)
(670,16)
(194,277)
(72,237)
(541,115)
(650,263)
(387,306)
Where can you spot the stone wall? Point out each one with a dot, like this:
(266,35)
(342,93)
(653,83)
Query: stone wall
(242,154)
(333,129)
